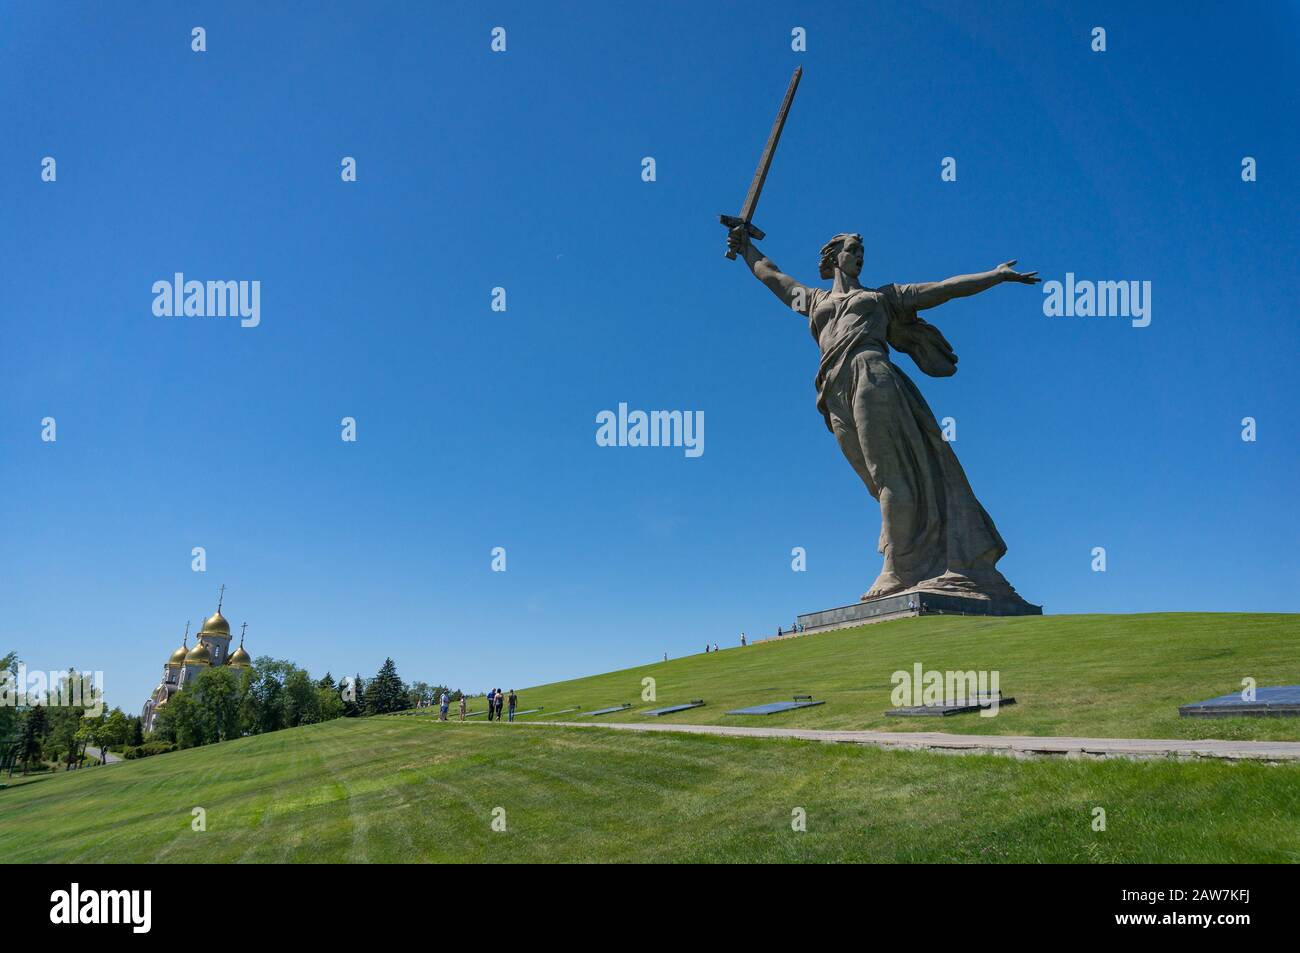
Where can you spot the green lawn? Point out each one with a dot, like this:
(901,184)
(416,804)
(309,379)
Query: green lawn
(1091,675)
(17,778)
(410,789)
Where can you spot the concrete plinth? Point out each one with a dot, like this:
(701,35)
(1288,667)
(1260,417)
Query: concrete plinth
(908,604)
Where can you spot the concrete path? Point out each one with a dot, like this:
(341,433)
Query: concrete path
(1020,746)
(108,756)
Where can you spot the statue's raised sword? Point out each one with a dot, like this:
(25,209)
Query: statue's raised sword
(746,215)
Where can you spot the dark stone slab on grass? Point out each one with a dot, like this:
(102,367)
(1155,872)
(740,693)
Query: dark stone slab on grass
(771,708)
(672,708)
(1278,701)
(978,703)
(603,711)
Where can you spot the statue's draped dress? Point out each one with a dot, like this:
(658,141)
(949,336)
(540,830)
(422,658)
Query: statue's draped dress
(934,534)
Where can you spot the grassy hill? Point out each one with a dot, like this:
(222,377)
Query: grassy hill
(412,789)
(1095,675)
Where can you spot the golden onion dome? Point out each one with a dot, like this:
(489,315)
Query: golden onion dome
(178,657)
(199,655)
(161,703)
(239,658)
(216,624)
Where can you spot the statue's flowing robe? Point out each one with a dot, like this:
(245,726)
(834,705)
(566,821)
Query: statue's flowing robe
(933,532)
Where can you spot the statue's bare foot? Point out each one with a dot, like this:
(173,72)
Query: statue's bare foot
(886,584)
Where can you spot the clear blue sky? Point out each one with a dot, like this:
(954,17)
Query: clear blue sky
(476,429)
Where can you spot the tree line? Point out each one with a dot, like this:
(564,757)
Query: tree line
(222,703)
(42,734)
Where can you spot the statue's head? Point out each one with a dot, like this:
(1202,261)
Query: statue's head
(842,253)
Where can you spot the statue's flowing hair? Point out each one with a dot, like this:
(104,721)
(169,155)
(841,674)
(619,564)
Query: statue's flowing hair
(826,268)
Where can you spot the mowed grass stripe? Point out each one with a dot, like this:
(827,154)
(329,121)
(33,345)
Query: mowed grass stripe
(390,790)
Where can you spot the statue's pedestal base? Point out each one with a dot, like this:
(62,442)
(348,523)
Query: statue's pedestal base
(907,604)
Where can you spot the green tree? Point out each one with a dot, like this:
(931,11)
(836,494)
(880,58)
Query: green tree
(137,732)
(62,742)
(328,704)
(31,738)
(9,690)
(264,700)
(117,728)
(354,698)
(217,697)
(87,735)
(385,692)
(93,731)
(301,705)
(421,693)
(178,722)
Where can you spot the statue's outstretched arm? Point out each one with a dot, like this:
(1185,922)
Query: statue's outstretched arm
(794,294)
(931,294)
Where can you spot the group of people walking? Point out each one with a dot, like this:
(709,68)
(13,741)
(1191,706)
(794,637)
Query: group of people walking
(744,640)
(444,703)
(499,705)
(711,647)
(496,699)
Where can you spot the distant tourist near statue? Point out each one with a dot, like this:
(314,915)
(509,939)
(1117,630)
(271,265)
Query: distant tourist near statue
(934,534)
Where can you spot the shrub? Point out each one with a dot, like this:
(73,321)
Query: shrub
(147,749)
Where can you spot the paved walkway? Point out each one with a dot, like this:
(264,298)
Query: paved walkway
(1021,746)
(108,756)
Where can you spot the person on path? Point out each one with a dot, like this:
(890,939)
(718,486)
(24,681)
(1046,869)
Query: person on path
(443,703)
(513,701)
(462,707)
(491,702)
